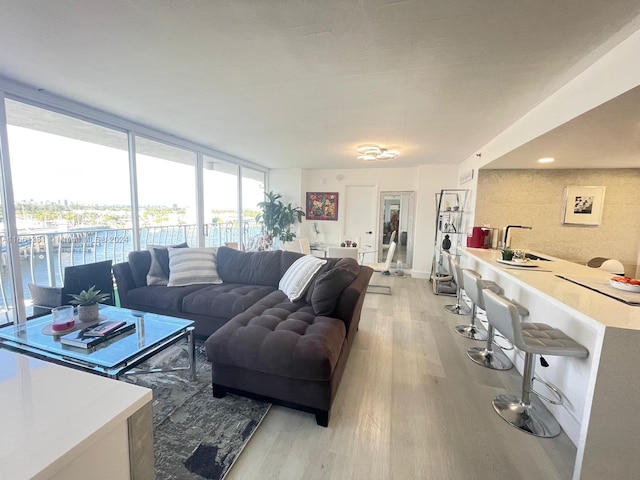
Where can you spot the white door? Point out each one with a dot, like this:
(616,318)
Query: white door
(360,209)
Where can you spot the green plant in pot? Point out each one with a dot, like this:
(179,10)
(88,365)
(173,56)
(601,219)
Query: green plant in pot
(507,254)
(87,302)
(277,219)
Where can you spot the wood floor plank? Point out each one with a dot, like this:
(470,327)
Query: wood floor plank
(411,405)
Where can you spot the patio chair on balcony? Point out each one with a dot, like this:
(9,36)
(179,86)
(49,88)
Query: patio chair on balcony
(76,279)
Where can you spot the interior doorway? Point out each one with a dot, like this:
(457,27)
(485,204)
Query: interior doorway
(396,215)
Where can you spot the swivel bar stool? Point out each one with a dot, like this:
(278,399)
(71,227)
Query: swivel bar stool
(485,356)
(459,308)
(470,330)
(538,338)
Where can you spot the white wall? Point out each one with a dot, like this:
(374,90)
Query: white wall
(424,180)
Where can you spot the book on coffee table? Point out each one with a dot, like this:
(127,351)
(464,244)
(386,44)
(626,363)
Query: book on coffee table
(81,340)
(103,328)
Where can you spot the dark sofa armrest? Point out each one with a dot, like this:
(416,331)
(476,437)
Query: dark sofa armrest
(124,282)
(349,304)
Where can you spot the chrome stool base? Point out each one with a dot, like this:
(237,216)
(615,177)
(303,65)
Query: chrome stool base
(471,332)
(532,419)
(495,360)
(457,309)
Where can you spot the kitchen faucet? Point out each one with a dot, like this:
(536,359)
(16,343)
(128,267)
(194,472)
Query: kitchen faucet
(506,232)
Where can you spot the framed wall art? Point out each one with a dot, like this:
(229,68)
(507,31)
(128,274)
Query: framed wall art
(583,205)
(322,206)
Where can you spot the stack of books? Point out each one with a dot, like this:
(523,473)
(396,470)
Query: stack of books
(96,334)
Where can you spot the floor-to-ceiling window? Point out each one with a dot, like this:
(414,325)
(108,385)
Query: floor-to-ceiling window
(166,193)
(74,202)
(70,181)
(220,203)
(252,193)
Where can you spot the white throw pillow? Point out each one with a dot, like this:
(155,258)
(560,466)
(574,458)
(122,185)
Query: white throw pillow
(188,266)
(296,279)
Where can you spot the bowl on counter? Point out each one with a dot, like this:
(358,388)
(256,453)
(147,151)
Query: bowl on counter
(627,287)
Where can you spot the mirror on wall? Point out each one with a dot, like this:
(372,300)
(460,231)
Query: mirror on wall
(396,215)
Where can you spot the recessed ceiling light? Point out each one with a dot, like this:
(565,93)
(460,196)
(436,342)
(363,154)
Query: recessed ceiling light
(546,160)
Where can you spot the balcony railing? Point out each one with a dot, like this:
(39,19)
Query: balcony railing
(44,255)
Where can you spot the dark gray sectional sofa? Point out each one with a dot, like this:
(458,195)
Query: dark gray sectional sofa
(260,343)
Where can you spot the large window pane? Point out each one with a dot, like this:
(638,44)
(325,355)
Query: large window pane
(220,203)
(166,194)
(71,190)
(252,193)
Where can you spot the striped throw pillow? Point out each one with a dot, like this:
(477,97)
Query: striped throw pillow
(296,279)
(188,266)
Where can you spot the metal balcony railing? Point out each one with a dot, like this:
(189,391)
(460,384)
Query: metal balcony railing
(44,255)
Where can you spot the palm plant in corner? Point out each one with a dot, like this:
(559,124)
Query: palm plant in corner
(277,219)
(87,302)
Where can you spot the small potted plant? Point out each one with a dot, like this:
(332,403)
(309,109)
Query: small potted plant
(87,302)
(507,254)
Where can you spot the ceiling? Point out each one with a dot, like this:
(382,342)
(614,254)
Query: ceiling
(607,136)
(302,83)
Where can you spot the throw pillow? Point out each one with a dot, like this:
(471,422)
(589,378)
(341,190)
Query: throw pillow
(188,266)
(296,279)
(329,285)
(159,269)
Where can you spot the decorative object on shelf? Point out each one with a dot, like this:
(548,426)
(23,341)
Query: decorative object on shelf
(322,206)
(372,153)
(277,220)
(583,205)
(87,301)
(446,243)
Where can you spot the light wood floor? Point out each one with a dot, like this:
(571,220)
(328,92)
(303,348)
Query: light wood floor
(410,406)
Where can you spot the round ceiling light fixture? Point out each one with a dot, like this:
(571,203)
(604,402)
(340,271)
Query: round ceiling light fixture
(372,153)
(546,160)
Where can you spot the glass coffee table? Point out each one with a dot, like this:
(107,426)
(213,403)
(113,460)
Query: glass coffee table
(115,357)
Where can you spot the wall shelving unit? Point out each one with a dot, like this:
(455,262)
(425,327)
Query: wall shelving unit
(450,220)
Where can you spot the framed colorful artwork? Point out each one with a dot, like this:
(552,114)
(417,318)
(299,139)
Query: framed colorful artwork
(322,206)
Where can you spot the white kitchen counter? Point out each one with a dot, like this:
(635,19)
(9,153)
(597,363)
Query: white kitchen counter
(598,414)
(59,423)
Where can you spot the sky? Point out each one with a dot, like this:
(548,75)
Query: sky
(48,167)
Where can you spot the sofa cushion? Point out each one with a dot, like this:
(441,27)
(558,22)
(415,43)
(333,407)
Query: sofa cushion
(160,298)
(249,268)
(190,266)
(159,269)
(225,300)
(297,278)
(329,285)
(280,338)
(139,263)
(331,262)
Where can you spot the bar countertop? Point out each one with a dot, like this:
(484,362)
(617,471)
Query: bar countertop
(591,306)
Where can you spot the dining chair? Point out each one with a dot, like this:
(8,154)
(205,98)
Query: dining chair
(384,269)
(342,252)
(610,265)
(305,246)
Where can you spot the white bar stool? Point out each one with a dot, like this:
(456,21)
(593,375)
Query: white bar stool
(470,330)
(484,356)
(459,308)
(536,339)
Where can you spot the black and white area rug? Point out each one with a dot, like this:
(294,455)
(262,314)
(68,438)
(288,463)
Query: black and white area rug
(196,436)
